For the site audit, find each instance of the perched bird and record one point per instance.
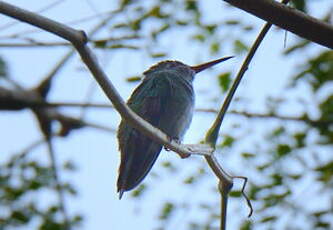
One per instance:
(165, 99)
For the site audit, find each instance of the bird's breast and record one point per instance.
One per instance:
(178, 109)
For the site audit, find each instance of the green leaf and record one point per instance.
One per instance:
(297, 46)
(232, 22)
(189, 180)
(325, 172)
(199, 37)
(227, 141)
(139, 191)
(300, 139)
(167, 210)
(299, 4)
(283, 149)
(246, 225)
(224, 81)
(240, 47)
(248, 155)
(248, 28)
(268, 219)
(100, 43)
(158, 55)
(191, 5)
(235, 193)
(133, 79)
(214, 47)
(210, 28)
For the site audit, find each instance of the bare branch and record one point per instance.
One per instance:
(45, 8)
(41, 44)
(78, 39)
(289, 19)
(226, 182)
(58, 187)
(244, 194)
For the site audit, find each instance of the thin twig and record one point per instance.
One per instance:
(78, 39)
(59, 189)
(212, 134)
(72, 23)
(224, 188)
(45, 8)
(248, 201)
(67, 56)
(32, 43)
(289, 19)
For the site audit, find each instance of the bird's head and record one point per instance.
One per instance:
(182, 69)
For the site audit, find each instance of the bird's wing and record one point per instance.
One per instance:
(138, 152)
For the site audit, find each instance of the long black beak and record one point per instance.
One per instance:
(201, 67)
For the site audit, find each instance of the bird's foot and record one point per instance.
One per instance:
(176, 139)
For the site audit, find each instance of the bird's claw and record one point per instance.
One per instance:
(176, 139)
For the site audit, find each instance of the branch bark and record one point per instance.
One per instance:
(289, 19)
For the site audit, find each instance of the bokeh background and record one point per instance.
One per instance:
(278, 132)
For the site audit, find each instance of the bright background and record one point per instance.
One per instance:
(95, 153)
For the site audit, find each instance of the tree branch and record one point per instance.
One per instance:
(78, 39)
(58, 186)
(226, 181)
(289, 19)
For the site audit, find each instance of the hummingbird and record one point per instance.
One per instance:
(165, 99)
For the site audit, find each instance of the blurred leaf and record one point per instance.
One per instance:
(325, 172)
(248, 28)
(235, 193)
(100, 43)
(246, 225)
(158, 55)
(157, 32)
(122, 46)
(20, 216)
(248, 155)
(227, 141)
(139, 191)
(317, 71)
(295, 176)
(277, 179)
(240, 47)
(224, 81)
(182, 22)
(210, 28)
(214, 47)
(297, 46)
(282, 150)
(300, 139)
(169, 165)
(232, 22)
(268, 219)
(133, 79)
(323, 225)
(167, 210)
(199, 37)
(70, 166)
(299, 4)
(278, 132)
(124, 3)
(191, 5)
(156, 12)
(189, 180)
